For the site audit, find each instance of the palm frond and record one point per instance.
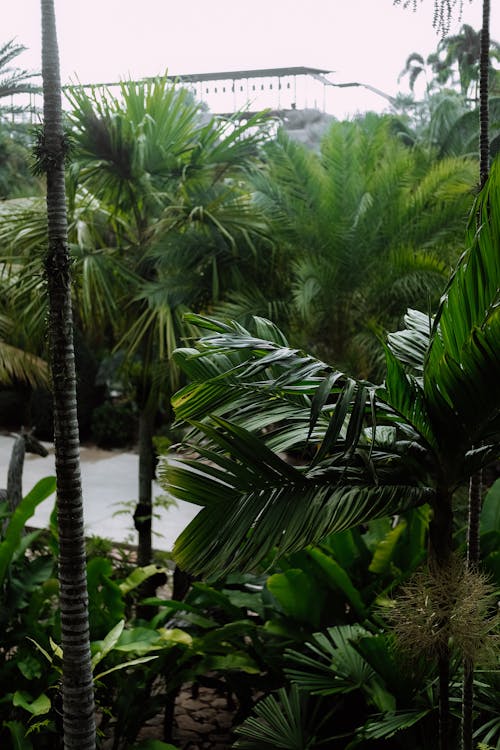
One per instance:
(284, 721)
(462, 369)
(264, 398)
(17, 365)
(330, 664)
(410, 345)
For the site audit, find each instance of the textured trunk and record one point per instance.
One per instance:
(15, 474)
(475, 503)
(77, 685)
(467, 705)
(484, 66)
(445, 740)
(473, 552)
(475, 487)
(440, 549)
(143, 512)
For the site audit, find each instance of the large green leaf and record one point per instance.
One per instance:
(35, 706)
(297, 595)
(18, 735)
(383, 555)
(338, 578)
(410, 345)
(40, 492)
(490, 514)
(391, 723)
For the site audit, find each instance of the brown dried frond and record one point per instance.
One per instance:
(448, 607)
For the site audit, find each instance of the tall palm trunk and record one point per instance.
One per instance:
(77, 686)
(144, 509)
(484, 72)
(475, 487)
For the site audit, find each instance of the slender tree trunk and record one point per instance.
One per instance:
(475, 487)
(484, 71)
(77, 685)
(475, 503)
(473, 553)
(440, 550)
(144, 509)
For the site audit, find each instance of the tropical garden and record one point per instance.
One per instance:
(304, 342)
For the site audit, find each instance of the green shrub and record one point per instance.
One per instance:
(114, 425)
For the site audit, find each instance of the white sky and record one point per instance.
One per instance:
(362, 40)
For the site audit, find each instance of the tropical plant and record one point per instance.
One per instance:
(16, 178)
(28, 591)
(159, 216)
(456, 57)
(168, 179)
(463, 50)
(475, 485)
(13, 80)
(284, 721)
(77, 688)
(368, 451)
(362, 228)
(448, 116)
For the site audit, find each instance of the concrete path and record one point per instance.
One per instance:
(109, 480)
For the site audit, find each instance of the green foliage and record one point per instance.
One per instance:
(18, 735)
(296, 596)
(363, 234)
(283, 721)
(13, 535)
(365, 452)
(114, 425)
(16, 179)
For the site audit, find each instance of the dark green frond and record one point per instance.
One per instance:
(462, 370)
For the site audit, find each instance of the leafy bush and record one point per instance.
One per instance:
(114, 425)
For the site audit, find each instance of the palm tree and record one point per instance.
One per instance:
(463, 50)
(159, 221)
(77, 686)
(451, 128)
(366, 228)
(475, 486)
(170, 180)
(13, 81)
(367, 451)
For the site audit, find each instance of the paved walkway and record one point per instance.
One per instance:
(109, 480)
